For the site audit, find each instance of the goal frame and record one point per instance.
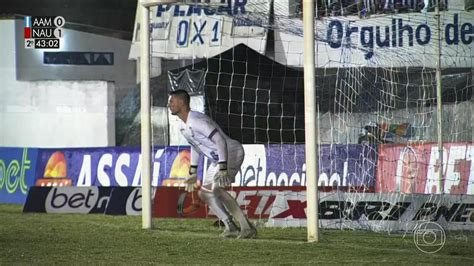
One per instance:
(311, 127)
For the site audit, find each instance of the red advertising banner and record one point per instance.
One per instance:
(255, 201)
(415, 169)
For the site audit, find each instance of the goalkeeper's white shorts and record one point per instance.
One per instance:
(235, 157)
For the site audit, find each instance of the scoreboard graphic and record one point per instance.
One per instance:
(43, 32)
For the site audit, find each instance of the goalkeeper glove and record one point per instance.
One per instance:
(222, 178)
(191, 179)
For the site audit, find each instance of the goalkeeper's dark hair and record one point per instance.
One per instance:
(182, 94)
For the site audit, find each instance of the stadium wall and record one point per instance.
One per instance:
(31, 64)
(50, 113)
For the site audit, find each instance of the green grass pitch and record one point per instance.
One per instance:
(82, 239)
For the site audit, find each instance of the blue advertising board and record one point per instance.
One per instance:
(350, 165)
(114, 166)
(17, 173)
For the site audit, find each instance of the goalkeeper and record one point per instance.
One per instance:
(226, 156)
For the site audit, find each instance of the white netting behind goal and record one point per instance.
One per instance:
(376, 89)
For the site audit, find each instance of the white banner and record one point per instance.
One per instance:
(185, 31)
(376, 212)
(382, 40)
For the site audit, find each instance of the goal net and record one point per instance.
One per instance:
(376, 83)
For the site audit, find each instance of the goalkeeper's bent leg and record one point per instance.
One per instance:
(231, 204)
(218, 209)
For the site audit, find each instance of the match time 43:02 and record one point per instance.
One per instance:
(46, 43)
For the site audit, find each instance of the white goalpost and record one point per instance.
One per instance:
(145, 108)
(310, 114)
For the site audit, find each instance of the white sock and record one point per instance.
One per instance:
(216, 206)
(231, 204)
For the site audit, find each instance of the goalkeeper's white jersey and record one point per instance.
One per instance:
(199, 130)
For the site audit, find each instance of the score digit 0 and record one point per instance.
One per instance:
(59, 22)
